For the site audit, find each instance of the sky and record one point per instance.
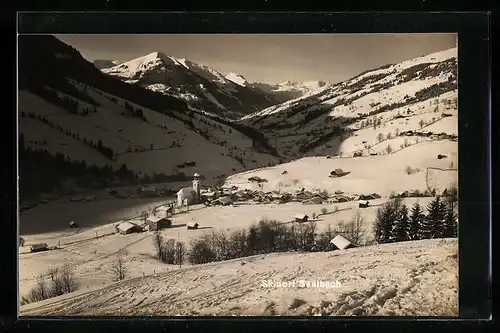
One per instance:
(270, 58)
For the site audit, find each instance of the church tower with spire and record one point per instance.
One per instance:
(196, 187)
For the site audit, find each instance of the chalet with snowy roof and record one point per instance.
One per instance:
(342, 243)
(338, 173)
(190, 195)
(147, 191)
(155, 223)
(301, 218)
(192, 225)
(39, 247)
(128, 228)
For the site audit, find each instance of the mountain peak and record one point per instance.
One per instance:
(237, 78)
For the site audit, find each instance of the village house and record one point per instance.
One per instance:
(301, 218)
(190, 195)
(166, 210)
(316, 200)
(192, 225)
(39, 247)
(128, 228)
(338, 173)
(147, 191)
(342, 243)
(156, 223)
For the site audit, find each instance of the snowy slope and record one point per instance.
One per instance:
(181, 77)
(102, 64)
(372, 174)
(419, 278)
(419, 89)
(290, 89)
(237, 78)
(165, 135)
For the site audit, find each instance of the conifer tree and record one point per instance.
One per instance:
(433, 226)
(415, 223)
(401, 225)
(450, 222)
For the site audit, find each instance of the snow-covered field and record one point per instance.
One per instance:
(381, 174)
(408, 278)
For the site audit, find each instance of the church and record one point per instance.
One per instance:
(190, 195)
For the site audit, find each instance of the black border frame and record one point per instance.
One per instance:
(474, 131)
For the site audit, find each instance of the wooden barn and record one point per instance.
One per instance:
(338, 173)
(301, 218)
(192, 225)
(128, 228)
(39, 247)
(363, 204)
(342, 243)
(156, 223)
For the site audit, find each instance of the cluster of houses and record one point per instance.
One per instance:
(230, 196)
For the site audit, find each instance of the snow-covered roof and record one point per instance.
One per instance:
(340, 242)
(300, 216)
(185, 190)
(38, 246)
(148, 189)
(196, 174)
(154, 218)
(126, 226)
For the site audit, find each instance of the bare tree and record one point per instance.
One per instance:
(40, 291)
(388, 149)
(180, 253)
(380, 137)
(354, 230)
(388, 136)
(119, 267)
(421, 123)
(56, 282)
(68, 278)
(159, 244)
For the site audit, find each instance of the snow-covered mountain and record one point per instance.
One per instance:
(237, 78)
(70, 107)
(418, 94)
(290, 89)
(201, 86)
(102, 63)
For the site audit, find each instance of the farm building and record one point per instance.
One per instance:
(167, 210)
(338, 173)
(342, 243)
(363, 204)
(128, 228)
(39, 247)
(156, 223)
(147, 191)
(301, 218)
(316, 200)
(192, 225)
(224, 201)
(72, 224)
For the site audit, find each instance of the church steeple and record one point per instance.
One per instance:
(196, 186)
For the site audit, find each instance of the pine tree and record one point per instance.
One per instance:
(401, 225)
(415, 223)
(384, 223)
(434, 223)
(450, 222)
